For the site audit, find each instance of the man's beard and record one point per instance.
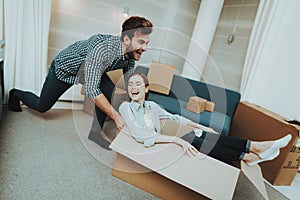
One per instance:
(130, 55)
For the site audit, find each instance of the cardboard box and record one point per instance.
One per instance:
(166, 172)
(160, 77)
(256, 123)
(118, 97)
(119, 94)
(209, 106)
(196, 104)
(117, 78)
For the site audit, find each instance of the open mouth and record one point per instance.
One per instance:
(134, 93)
(139, 51)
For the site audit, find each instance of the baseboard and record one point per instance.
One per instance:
(66, 105)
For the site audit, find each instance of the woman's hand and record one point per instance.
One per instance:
(188, 149)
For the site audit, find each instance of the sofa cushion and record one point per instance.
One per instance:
(220, 122)
(225, 100)
(216, 120)
(169, 104)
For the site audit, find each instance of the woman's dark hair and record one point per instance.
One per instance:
(145, 79)
(135, 23)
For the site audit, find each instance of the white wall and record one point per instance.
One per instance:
(276, 85)
(224, 66)
(78, 19)
(174, 20)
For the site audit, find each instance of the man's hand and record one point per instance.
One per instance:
(188, 149)
(104, 105)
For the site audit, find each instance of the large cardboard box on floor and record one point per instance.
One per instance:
(256, 123)
(166, 172)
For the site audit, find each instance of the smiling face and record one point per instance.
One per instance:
(136, 46)
(137, 89)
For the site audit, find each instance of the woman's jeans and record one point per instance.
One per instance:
(221, 147)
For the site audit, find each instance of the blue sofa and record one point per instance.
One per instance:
(182, 89)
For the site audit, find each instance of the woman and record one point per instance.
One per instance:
(142, 119)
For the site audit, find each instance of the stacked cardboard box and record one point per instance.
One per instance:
(198, 105)
(256, 123)
(209, 106)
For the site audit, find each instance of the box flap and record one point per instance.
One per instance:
(254, 174)
(275, 116)
(207, 176)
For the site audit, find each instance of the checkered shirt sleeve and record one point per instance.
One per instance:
(101, 53)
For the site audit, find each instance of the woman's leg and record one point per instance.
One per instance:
(218, 151)
(52, 89)
(221, 147)
(231, 142)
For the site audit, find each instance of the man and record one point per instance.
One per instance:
(87, 62)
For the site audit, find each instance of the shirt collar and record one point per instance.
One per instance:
(137, 106)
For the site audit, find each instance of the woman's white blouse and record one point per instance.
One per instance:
(146, 131)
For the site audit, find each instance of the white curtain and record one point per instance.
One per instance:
(260, 30)
(26, 34)
(271, 72)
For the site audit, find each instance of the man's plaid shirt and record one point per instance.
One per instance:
(99, 54)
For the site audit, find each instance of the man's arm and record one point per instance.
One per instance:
(104, 105)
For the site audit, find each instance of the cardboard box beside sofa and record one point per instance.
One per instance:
(256, 123)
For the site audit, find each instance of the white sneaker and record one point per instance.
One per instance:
(271, 157)
(280, 143)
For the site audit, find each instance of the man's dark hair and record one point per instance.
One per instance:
(135, 23)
